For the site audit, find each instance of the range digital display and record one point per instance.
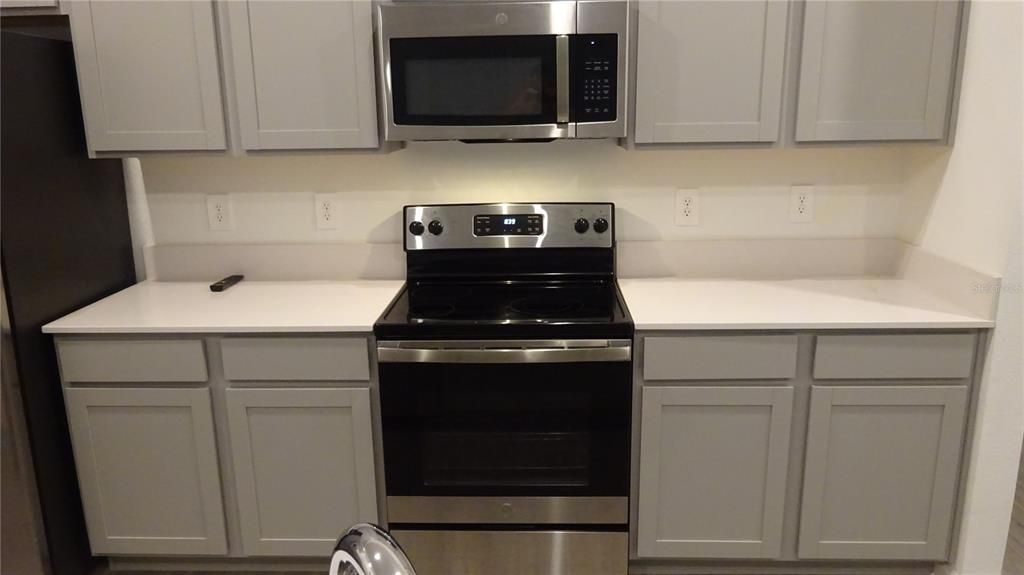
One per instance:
(508, 225)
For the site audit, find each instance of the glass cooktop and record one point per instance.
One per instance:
(428, 309)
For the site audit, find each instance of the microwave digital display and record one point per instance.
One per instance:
(508, 225)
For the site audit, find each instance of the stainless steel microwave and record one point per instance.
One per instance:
(514, 70)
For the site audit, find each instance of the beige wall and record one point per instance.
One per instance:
(965, 204)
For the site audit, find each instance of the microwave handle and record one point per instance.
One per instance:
(562, 71)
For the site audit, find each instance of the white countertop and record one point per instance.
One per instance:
(249, 306)
(655, 304)
(844, 303)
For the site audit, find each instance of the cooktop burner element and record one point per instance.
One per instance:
(467, 281)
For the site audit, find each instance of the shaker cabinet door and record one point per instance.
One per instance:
(877, 70)
(710, 71)
(881, 471)
(304, 74)
(713, 464)
(147, 466)
(148, 75)
(303, 461)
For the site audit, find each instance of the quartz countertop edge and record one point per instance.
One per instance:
(154, 307)
(822, 304)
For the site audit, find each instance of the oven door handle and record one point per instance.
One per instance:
(558, 352)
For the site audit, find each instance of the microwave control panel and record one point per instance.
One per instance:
(595, 69)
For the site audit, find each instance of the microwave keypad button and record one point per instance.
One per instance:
(596, 84)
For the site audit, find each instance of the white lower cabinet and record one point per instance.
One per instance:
(147, 467)
(881, 471)
(303, 463)
(713, 464)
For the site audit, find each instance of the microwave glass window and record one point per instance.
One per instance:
(475, 80)
(474, 87)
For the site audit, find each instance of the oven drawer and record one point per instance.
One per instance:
(507, 510)
(515, 552)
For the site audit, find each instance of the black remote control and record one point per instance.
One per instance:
(226, 283)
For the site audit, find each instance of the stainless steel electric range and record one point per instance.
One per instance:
(505, 370)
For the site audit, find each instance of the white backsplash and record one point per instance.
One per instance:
(745, 193)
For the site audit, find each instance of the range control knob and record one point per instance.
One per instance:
(435, 227)
(582, 225)
(416, 228)
(600, 225)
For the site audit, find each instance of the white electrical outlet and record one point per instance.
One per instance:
(328, 216)
(218, 212)
(801, 204)
(687, 207)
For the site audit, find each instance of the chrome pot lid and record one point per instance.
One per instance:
(366, 549)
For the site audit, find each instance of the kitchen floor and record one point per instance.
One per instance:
(105, 571)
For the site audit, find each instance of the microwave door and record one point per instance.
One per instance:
(479, 88)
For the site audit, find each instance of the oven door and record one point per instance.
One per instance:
(506, 432)
(476, 71)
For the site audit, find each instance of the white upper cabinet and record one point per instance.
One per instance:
(876, 70)
(303, 73)
(148, 75)
(710, 71)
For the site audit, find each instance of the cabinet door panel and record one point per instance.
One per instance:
(304, 74)
(147, 465)
(713, 464)
(148, 75)
(710, 71)
(876, 70)
(303, 462)
(881, 470)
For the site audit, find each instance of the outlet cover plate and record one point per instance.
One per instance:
(687, 209)
(801, 204)
(328, 213)
(219, 213)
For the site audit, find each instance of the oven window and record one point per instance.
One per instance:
(506, 429)
(496, 80)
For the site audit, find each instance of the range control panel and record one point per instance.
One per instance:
(595, 70)
(484, 226)
(508, 225)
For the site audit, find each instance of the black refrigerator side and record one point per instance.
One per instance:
(65, 242)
